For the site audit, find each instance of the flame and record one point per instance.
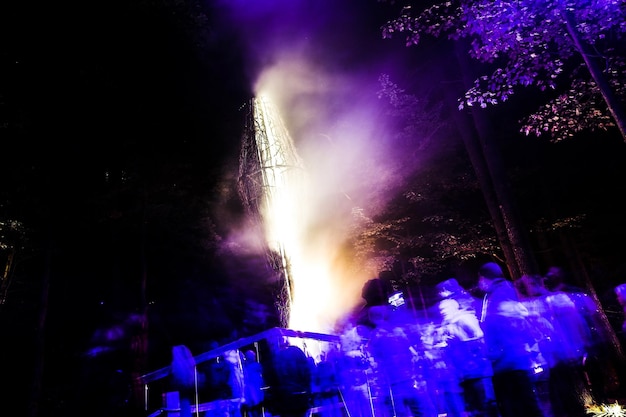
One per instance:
(310, 248)
(607, 410)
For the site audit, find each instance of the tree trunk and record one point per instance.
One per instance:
(613, 102)
(468, 134)
(495, 186)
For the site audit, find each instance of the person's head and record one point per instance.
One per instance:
(620, 292)
(448, 288)
(374, 292)
(283, 342)
(555, 277)
(448, 308)
(488, 273)
(250, 356)
(232, 356)
(531, 286)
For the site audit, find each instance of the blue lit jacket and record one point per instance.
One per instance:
(508, 333)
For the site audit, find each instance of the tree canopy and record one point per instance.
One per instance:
(571, 50)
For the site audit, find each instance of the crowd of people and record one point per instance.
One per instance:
(535, 347)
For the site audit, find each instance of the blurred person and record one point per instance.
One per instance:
(450, 288)
(375, 293)
(232, 408)
(466, 346)
(507, 335)
(442, 379)
(569, 390)
(291, 388)
(532, 294)
(391, 350)
(223, 384)
(557, 279)
(355, 370)
(253, 385)
(212, 377)
(601, 348)
(108, 366)
(326, 381)
(563, 336)
(428, 363)
(620, 293)
(183, 377)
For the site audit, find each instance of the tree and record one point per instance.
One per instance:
(436, 221)
(422, 119)
(429, 229)
(575, 48)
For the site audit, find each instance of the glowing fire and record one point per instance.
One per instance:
(307, 251)
(607, 410)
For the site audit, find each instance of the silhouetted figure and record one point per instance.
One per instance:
(326, 385)
(291, 389)
(235, 383)
(507, 335)
(391, 349)
(563, 344)
(451, 288)
(355, 370)
(442, 379)
(599, 352)
(620, 293)
(374, 293)
(223, 384)
(533, 293)
(466, 348)
(253, 385)
(183, 377)
(108, 364)
(557, 279)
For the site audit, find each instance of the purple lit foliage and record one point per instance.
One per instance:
(536, 43)
(420, 234)
(421, 118)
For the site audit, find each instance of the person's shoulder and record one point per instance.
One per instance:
(572, 289)
(504, 289)
(292, 351)
(503, 283)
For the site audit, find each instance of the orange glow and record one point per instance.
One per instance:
(309, 248)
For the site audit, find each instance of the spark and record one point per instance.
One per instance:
(607, 410)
